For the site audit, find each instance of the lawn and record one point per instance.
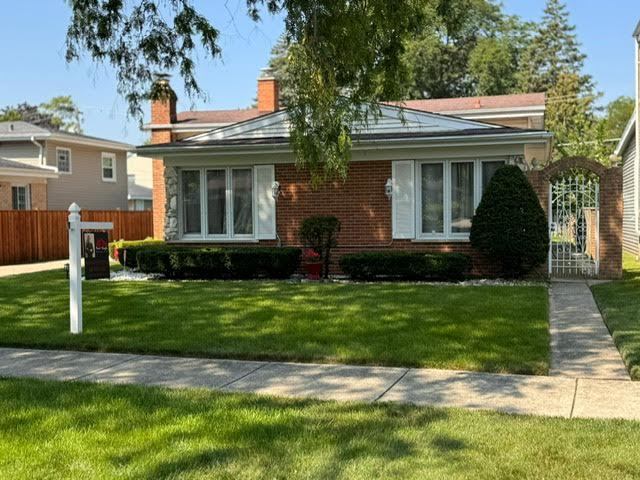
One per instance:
(76, 430)
(619, 303)
(487, 328)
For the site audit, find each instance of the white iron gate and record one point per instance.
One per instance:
(574, 226)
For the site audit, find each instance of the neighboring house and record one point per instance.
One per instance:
(140, 189)
(65, 168)
(414, 180)
(628, 149)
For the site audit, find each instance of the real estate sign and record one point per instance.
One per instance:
(95, 248)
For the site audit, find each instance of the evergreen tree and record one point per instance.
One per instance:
(554, 50)
(279, 67)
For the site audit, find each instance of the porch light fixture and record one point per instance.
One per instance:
(275, 190)
(388, 188)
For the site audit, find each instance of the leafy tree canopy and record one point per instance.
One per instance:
(59, 113)
(463, 47)
(617, 115)
(347, 55)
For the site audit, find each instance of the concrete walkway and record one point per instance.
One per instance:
(8, 270)
(581, 346)
(547, 396)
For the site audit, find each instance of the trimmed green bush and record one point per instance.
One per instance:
(405, 265)
(132, 246)
(510, 227)
(321, 234)
(233, 263)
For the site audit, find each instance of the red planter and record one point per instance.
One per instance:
(313, 270)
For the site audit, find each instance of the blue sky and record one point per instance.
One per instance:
(34, 69)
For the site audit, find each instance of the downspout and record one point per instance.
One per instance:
(41, 149)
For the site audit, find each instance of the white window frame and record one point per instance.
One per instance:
(27, 196)
(447, 234)
(111, 156)
(230, 236)
(68, 150)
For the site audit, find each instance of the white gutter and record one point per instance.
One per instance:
(40, 148)
(415, 142)
(24, 172)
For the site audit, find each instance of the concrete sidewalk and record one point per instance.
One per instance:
(8, 270)
(546, 396)
(581, 346)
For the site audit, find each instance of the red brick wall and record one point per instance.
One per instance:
(267, 95)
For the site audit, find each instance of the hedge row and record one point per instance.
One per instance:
(117, 249)
(204, 263)
(405, 265)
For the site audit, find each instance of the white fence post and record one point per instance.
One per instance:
(75, 270)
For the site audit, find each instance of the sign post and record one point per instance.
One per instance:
(75, 270)
(75, 263)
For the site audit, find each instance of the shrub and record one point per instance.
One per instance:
(405, 265)
(188, 262)
(321, 234)
(116, 249)
(510, 227)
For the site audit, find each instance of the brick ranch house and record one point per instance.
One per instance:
(215, 173)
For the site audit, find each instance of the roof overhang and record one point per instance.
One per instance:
(636, 32)
(627, 135)
(69, 138)
(282, 145)
(29, 172)
(497, 113)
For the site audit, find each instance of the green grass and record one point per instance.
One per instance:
(485, 328)
(76, 430)
(619, 303)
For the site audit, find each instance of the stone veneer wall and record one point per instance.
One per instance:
(171, 205)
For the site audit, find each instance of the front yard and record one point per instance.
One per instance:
(619, 303)
(75, 430)
(486, 328)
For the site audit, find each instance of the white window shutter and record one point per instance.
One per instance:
(265, 203)
(403, 199)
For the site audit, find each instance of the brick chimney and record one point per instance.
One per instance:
(267, 92)
(163, 114)
(163, 101)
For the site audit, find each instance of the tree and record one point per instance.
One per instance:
(321, 234)
(344, 56)
(59, 113)
(553, 51)
(278, 62)
(64, 113)
(617, 115)
(509, 226)
(571, 117)
(464, 47)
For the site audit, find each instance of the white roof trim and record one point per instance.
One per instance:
(68, 138)
(627, 135)
(407, 120)
(529, 137)
(27, 172)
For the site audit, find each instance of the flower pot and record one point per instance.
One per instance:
(313, 270)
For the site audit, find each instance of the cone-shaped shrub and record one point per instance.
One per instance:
(510, 227)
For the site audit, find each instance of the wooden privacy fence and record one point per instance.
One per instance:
(33, 236)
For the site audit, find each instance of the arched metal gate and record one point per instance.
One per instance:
(574, 225)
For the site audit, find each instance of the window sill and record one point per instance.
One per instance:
(215, 240)
(107, 180)
(440, 240)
